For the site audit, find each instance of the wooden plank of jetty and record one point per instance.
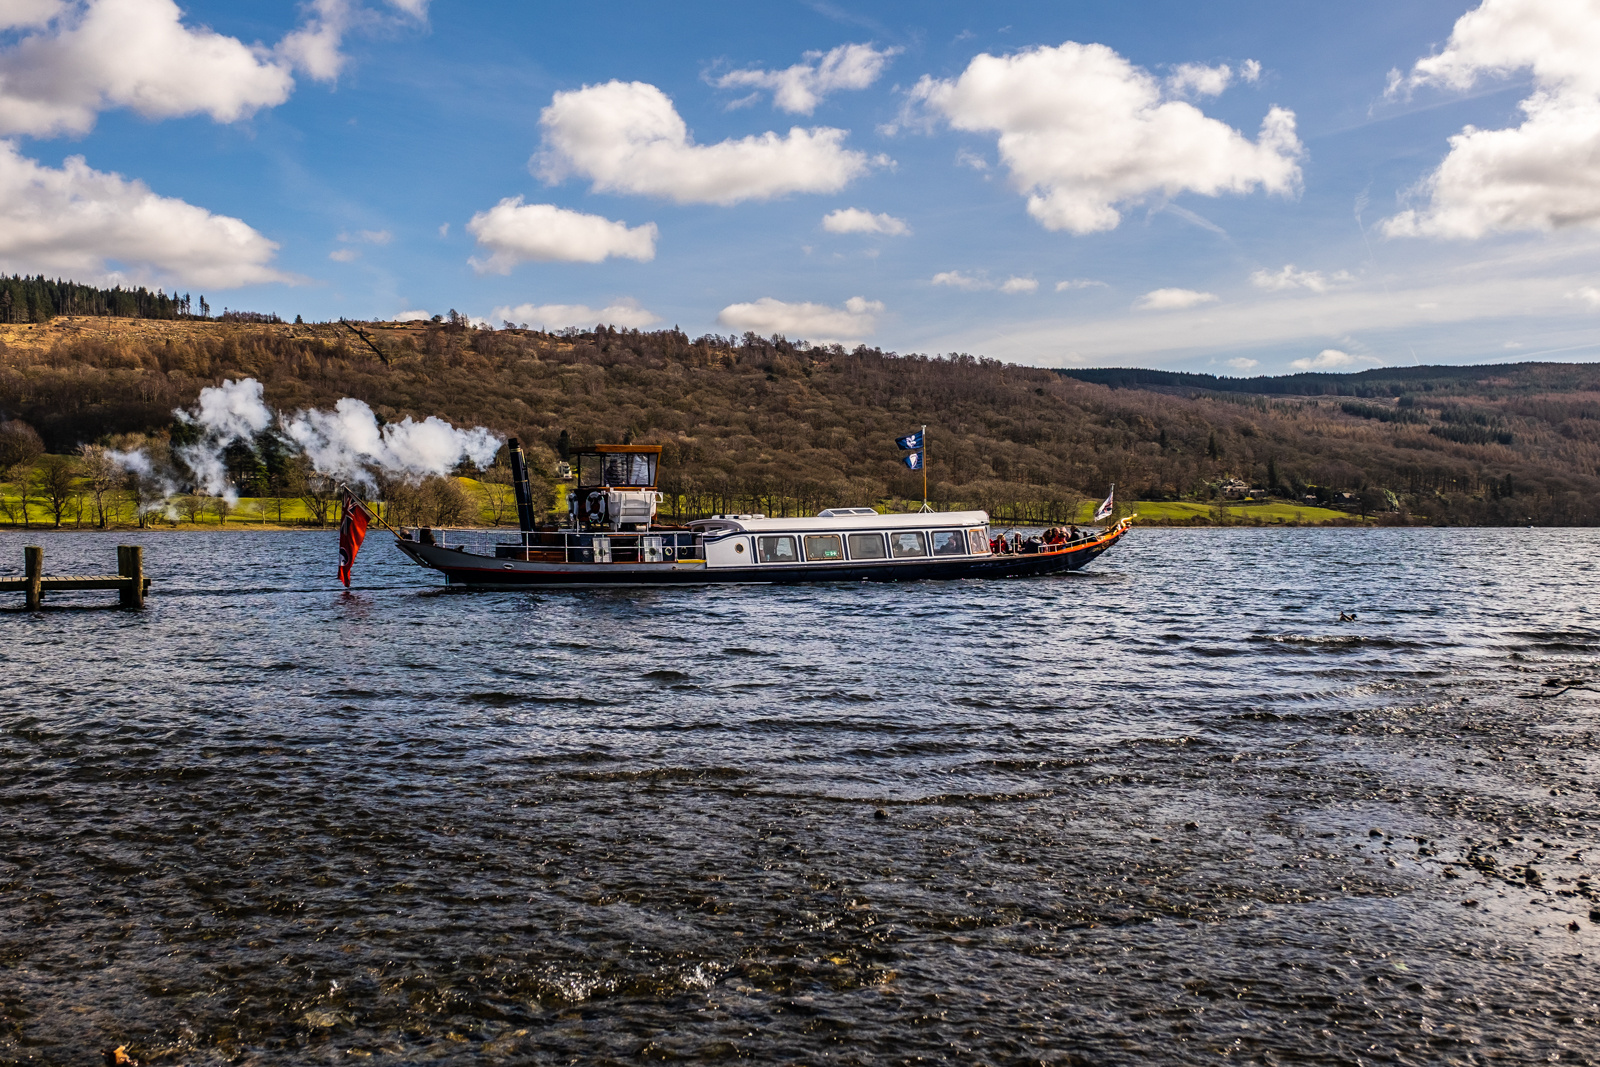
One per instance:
(129, 581)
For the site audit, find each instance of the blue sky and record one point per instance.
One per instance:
(1239, 188)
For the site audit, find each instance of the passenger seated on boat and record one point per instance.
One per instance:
(998, 546)
(1077, 534)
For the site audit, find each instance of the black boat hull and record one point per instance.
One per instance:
(470, 571)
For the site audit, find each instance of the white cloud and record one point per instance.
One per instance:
(92, 55)
(370, 237)
(977, 283)
(1291, 277)
(314, 47)
(1197, 79)
(345, 255)
(93, 225)
(1172, 300)
(1079, 283)
(1331, 359)
(855, 220)
(135, 54)
(1477, 303)
(1250, 71)
(1588, 294)
(800, 88)
(955, 279)
(1242, 364)
(628, 138)
(817, 322)
(625, 313)
(515, 232)
(412, 316)
(26, 14)
(1082, 131)
(1541, 175)
(972, 159)
(1557, 39)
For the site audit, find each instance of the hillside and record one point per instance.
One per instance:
(767, 425)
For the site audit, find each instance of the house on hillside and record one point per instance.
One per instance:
(1234, 489)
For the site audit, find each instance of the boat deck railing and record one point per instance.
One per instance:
(565, 546)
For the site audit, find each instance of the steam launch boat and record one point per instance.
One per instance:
(612, 536)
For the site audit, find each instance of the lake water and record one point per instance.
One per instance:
(1168, 810)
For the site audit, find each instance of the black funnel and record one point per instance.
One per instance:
(519, 482)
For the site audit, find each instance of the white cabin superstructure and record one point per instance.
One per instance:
(841, 537)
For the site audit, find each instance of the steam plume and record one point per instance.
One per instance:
(345, 443)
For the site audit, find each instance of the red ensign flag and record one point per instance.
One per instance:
(352, 531)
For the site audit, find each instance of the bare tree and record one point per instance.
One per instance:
(53, 483)
(402, 503)
(446, 501)
(318, 494)
(12, 507)
(19, 444)
(192, 506)
(102, 475)
(498, 494)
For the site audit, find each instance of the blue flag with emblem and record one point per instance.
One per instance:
(914, 461)
(910, 442)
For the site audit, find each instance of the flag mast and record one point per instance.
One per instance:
(925, 506)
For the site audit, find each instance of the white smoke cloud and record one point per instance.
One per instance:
(345, 443)
(348, 443)
(226, 414)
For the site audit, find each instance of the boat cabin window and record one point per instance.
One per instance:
(622, 469)
(776, 550)
(824, 547)
(949, 543)
(978, 541)
(867, 546)
(908, 543)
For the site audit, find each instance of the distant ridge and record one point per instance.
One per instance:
(1378, 382)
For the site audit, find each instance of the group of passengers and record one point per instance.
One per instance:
(1052, 539)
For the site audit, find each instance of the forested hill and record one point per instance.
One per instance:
(1393, 382)
(757, 423)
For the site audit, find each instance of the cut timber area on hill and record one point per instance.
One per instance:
(762, 424)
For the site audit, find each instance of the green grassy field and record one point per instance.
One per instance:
(1275, 514)
(253, 512)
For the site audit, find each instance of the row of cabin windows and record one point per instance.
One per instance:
(901, 544)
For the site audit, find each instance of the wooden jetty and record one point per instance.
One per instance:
(129, 581)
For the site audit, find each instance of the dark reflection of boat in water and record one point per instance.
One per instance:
(612, 537)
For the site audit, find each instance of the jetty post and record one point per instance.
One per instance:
(33, 575)
(130, 565)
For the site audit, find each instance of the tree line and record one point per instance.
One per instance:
(39, 299)
(778, 426)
